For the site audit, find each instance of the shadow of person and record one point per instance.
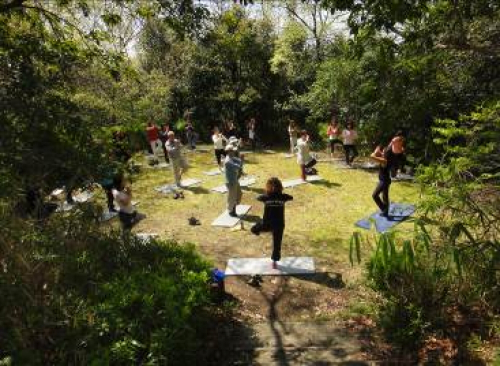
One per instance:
(326, 183)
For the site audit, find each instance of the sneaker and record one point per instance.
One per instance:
(176, 196)
(181, 195)
(233, 213)
(254, 230)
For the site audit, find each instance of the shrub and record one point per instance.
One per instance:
(73, 294)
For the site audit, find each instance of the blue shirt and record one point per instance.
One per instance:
(232, 166)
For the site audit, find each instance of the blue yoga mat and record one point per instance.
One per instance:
(398, 212)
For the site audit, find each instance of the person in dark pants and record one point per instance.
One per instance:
(274, 216)
(350, 135)
(386, 159)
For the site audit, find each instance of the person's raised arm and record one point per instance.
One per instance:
(378, 156)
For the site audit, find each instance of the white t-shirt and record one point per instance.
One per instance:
(218, 141)
(303, 156)
(123, 201)
(251, 134)
(350, 136)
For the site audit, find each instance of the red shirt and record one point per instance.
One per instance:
(152, 133)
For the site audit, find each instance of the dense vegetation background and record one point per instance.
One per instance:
(72, 72)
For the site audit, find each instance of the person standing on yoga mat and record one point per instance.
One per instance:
(218, 140)
(385, 157)
(292, 133)
(274, 215)
(152, 133)
(350, 135)
(233, 167)
(179, 165)
(334, 132)
(304, 158)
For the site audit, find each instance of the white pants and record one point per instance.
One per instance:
(155, 145)
(233, 196)
(179, 166)
(293, 143)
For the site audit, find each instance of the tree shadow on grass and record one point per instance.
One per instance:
(197, 190)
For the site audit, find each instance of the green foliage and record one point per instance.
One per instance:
(415, 279)
(74, 294)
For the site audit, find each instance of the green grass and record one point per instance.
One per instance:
(319, 221)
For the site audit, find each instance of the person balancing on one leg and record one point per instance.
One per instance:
(274, 215)
(233, 167)
(386, 159)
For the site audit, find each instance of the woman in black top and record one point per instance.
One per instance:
(386, 158)
(274, 215)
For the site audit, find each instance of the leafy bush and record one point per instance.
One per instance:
(415, 280)
(72, 294)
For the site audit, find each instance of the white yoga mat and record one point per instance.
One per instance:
(403, 177)
(262, 266)
(270, 151)
(213, 172)
(169, 188)
(106, 216)
(224, 220)
(295, 182)
(246, 152)
(146, 237)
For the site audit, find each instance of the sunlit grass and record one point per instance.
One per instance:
(319, 222)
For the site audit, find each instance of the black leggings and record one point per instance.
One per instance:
(277, 238)
(332, 144)
(382, 188)
(219, 153)
(350, 150)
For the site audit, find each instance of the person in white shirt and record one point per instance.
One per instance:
(127, 212)
(219, 139)
(179, 165)
(303, 153)
(350, 135)
(292, 132)
(252, 136)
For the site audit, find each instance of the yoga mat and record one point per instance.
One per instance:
(287, 156)
(295, 182)
(398, 212)
(169, 188)
(224, 220)
(262, 266)
(146, 237)
(213, 172)
(106, 216)
(83, 196)
(403, 177)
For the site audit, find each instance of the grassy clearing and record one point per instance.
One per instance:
(319, 223)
